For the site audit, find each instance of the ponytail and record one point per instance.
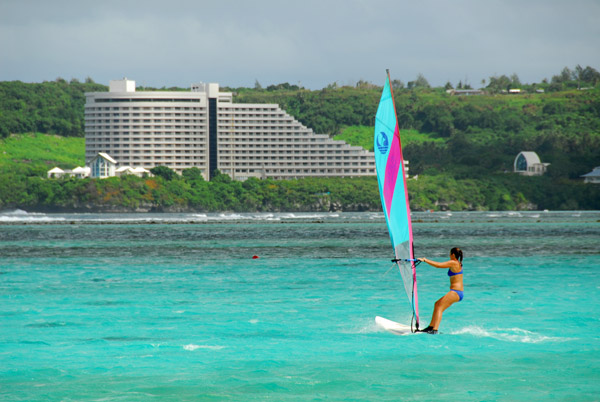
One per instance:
(457, 253)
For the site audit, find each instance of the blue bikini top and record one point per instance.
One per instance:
(451, 273)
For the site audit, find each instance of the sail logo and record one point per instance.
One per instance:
(383, 143)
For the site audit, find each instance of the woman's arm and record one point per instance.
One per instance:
(446, 264)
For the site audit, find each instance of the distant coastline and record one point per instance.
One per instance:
(461, 148)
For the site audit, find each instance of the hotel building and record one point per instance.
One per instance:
(203, 128)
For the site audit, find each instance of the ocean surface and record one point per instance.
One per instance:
(173, 307)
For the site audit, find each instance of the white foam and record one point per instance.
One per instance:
(365, 328)
(16, 212)
(22, 216)
(230, 216)
(508, 334)
(308, 215)
(192, 347)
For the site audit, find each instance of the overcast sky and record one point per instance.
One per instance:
(308, 42)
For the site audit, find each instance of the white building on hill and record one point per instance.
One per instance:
(79, 172)
(593, 176)
(203, 128)
(55, 173)
(102, 166)
(136, 171)
(529, 164)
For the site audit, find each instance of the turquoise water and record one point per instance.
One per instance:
(173, 307)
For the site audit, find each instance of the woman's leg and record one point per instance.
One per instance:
(439, 307)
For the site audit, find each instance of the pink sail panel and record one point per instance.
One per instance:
(392, 167)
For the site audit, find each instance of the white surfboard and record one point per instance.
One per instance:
(393, 326)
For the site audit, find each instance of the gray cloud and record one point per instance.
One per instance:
(312, 42)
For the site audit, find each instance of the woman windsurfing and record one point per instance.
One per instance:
(455, 272)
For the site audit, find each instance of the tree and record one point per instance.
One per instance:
(283, 86)
(498, 84)
(436, 119)
(514, 81)
(565, 75)
(192, 173)
(219, 177)
(420, 82)
(164, 172)
(397, 84)
(587, 75)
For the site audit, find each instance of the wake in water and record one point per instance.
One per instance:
(518, 335)
(365, 327)
(508, 334)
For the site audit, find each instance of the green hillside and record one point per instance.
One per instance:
(464, 136)
(460, 147)
(363, 136)
(35, 154)
(50, 107)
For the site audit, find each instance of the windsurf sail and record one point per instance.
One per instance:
(391, 177)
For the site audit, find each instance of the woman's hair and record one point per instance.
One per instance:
(457, 253)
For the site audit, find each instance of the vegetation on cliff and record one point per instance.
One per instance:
(459, 146)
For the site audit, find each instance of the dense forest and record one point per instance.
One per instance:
(171, 192)
(50, 107)
(459, 146)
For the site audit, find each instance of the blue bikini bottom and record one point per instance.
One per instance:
(459, 293)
